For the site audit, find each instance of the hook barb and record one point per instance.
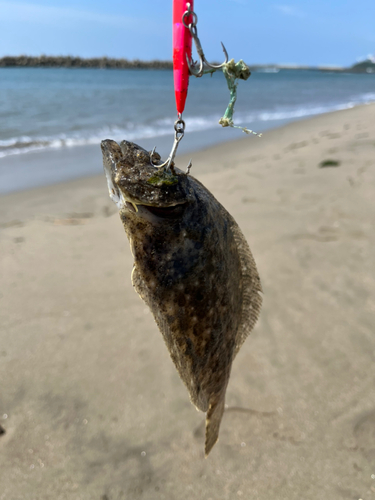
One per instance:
(179, 128)
(222, 64)
(204, 65)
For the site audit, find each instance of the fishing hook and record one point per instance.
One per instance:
(203, 63)
(179, 127)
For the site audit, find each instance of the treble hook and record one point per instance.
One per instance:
(203, 63)
(179, 127)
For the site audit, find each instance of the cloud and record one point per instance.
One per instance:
(44, 14)
(289, 10)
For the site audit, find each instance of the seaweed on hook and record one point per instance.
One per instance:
(234, 72)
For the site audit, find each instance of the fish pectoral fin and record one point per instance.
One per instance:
(137, 283)
(213, 421)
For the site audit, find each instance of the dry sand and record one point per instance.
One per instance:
(90, 401)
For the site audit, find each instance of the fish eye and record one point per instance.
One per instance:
(173, 212)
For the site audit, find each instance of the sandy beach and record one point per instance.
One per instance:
(91, 405)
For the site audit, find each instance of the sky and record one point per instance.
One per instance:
(311, 32)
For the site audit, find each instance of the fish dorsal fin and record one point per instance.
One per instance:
(252, 288)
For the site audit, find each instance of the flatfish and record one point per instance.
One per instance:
(192, 267)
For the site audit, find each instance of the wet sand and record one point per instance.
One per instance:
(91, 404)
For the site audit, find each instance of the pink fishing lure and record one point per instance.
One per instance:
(182, 41)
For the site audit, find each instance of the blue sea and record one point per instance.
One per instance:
(58, 108)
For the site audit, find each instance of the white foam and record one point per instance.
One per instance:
(161, 127)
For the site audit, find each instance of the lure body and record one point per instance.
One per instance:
(182, 41)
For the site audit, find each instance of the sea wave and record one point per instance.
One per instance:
(25, 144)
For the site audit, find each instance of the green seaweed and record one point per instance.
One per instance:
(234, 72)
(163, 177)
(329, 163)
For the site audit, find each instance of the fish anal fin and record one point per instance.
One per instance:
(213, 421)
(252, 289)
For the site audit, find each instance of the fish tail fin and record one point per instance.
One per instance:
(213, 421)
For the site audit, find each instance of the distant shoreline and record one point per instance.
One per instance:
(43, 61)
(80, 62)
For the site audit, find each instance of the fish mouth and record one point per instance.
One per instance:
(153, 212)
(113, 190)
(167, 212)
(135, 207)
(115, 193)
(123, 201)
(131, 206)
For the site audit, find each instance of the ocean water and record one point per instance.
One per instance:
(57, 108)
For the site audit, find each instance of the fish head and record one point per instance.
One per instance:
(138, 188)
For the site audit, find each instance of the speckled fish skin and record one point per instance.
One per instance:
(192, 267)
